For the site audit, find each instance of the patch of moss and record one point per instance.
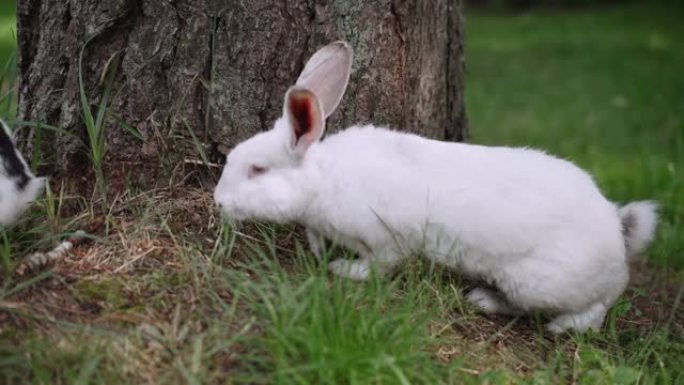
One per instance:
(109, 290)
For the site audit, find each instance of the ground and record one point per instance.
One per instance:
(164, 292)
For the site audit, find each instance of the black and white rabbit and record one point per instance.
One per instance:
(534, 226)
(18, 186)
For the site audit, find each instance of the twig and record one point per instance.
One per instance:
(40, 260)
(201, 163)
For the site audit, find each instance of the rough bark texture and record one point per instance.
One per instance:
(220, 69)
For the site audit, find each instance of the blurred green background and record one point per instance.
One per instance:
(8, 26)
(597, 82)
(600, 85)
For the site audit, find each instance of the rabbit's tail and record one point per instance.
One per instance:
(639, 220)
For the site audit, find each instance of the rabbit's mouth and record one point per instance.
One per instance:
(231, 220)
(231, 213)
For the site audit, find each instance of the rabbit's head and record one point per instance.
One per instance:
(16, 198)
(264, 176)
(18, 186)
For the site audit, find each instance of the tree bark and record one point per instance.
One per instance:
(218, 70)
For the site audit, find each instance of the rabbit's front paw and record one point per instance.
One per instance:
(490, 302)
(316, 243)
(357, 270)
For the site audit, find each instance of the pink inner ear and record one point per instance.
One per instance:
(302, 110)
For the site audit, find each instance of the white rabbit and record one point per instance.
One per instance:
(533, 226)
(18, 186)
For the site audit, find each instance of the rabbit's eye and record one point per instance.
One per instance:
(255, 170)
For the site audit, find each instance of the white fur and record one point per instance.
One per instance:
(14, 202)
(534, 226)
(639, 221)
(13, 199)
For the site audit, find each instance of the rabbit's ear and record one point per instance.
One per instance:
(304, 112)
(327, 74)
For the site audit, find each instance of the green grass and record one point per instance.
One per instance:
(167, 294)
(96, 122)
(266, 313)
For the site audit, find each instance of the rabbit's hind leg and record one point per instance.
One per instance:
(589, 318)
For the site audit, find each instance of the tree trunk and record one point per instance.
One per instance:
(198, 76)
